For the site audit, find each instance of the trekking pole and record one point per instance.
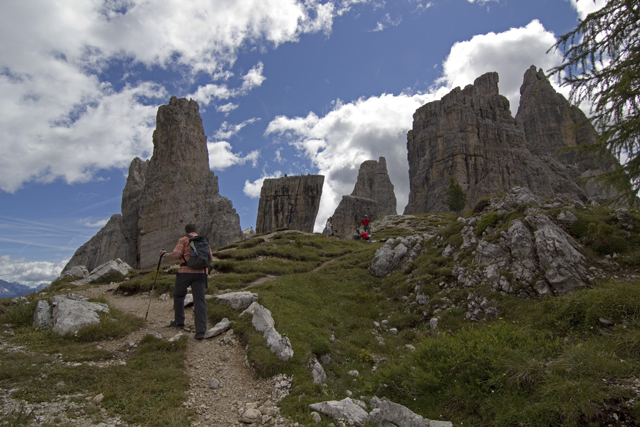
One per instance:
(154, 285)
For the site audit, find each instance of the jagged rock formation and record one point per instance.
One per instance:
(372, 195)
(470, 134)
(175, 187)
(550, 123)
(289, 202)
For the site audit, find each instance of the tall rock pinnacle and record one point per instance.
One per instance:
(163, 194)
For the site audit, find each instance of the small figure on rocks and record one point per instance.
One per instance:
(330, 227)
(365, 224)
(196, 278)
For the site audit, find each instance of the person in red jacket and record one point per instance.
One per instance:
(365, 224)
(365, 236)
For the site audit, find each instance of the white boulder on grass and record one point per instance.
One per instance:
(71, 312)
(346, 409)
(387, 413)
(263, 322)
(237, 300)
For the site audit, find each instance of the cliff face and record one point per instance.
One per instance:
(550, 123)
(289, 202)
(373, 195)
(471, 135)
(175, 187)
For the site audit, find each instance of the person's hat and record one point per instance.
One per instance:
(366, 216)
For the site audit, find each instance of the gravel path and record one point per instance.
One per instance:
(224, 390)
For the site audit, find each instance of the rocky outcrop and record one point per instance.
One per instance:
(109, 243)
(531, 256)
(373, 195)
(397, 253)
(289, 203)
(173, 188)
(470, 134)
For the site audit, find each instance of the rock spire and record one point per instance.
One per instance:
(173, 188)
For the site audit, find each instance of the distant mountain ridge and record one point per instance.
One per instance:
(13, 289)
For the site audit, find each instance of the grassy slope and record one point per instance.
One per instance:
(549, 361)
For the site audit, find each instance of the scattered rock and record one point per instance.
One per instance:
(263, 322)
(237, 300)
(220, 327)
(347, 410)
(387, 413)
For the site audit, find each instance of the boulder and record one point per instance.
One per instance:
(248, 233)
(111, 271)
(344, 410)
(173, 188)
(387, 413)
(289, 203)
(42, 315)
(236, 300)
(263, 322)
(222, 326)
(317, 371)
(75, 272)
(563, 265)
(71, 312)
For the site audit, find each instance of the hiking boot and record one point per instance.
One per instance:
(173, 324)
(199, 335)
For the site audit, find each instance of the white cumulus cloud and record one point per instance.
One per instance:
(252, 189)
(62, 121)
(585, 7)
(221, 156)
(29, 273)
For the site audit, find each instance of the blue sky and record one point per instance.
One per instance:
(284, 86)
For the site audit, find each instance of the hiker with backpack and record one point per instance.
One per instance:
(196, 256)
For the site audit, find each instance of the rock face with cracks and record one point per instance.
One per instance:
(163, 194)
(289, 203)
(471, 135)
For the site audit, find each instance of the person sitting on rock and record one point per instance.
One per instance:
(357, 236)
(365, 236)
(365, 224)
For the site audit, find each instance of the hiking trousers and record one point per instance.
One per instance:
(198, 283)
